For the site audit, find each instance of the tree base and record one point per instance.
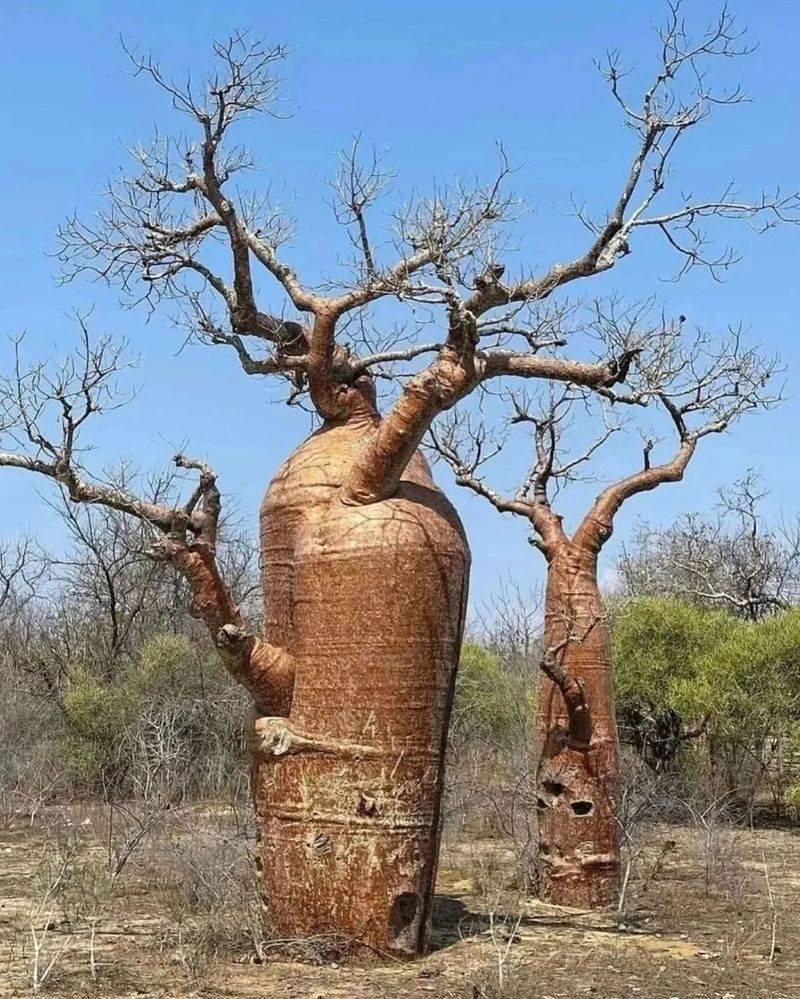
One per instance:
(578, 863)
(579, 882)
(348, 857)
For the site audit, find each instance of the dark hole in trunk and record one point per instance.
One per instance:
(553, 787)
(583, 807)
(404, 909)
(366, 805)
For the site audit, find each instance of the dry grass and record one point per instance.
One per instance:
(184, 919)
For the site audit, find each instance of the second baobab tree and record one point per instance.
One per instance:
(364, 560)
(697, 385)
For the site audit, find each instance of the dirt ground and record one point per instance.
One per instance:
(712, 913)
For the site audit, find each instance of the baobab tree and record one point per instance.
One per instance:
(701, 385)
(364, 560)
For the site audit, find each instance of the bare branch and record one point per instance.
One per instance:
(463, 445)
(20, 571)
(357, 185)
(734, 559)
(43, 414)
(158, 237)
(705, 388)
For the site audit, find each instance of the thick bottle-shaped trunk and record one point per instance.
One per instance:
(578, 769)
(369, 600)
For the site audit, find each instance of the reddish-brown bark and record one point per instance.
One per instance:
(578, 766)
(369, 602)
(266, 671)
(578, 751)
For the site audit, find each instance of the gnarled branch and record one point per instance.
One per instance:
(186, 533)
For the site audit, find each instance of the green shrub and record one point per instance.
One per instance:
(171, 722)
(679, 667)
(657, 645)
(96, 713)
(492, 700)
(96, 709)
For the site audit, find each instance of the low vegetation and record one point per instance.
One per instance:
(130, 852)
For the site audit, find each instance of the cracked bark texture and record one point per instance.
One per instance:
(578, 766)
(369, 602)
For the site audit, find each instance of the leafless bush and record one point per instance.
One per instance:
(492, 868)
(716, 846)
(215, 901)
(645, 799)
(45, 953)
(491, 765)
(127, 826)
(499, 979)
(30, 774)
(72, 891)
(737, 559)
(651, 806)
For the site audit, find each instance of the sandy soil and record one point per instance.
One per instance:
(700, 922)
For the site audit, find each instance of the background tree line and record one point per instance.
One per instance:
(113, 687)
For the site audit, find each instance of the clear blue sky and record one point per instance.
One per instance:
(436, 83)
